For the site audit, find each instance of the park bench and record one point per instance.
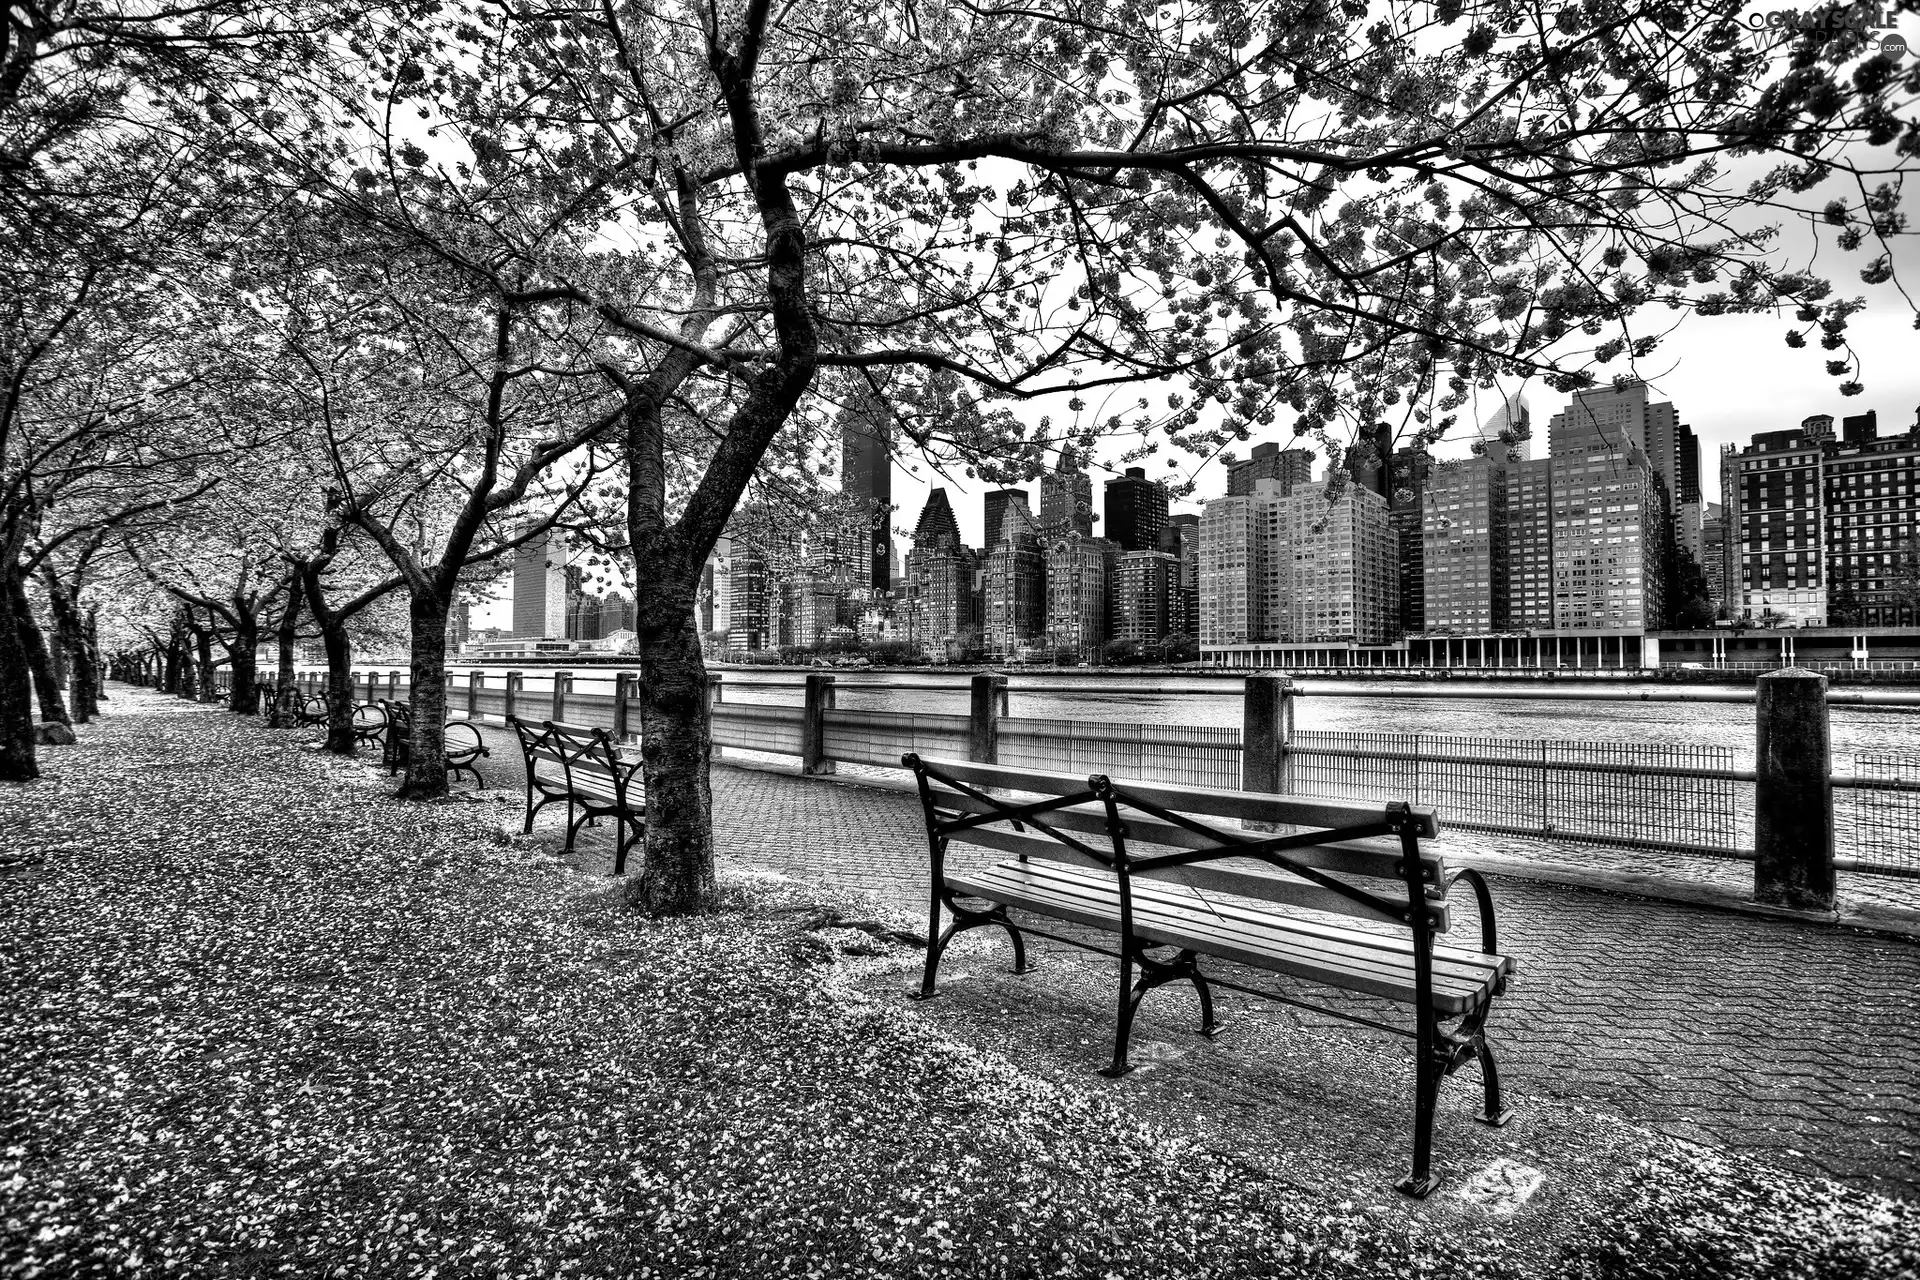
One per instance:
(463, 743)
(1153, 865)
(583, 767)
(310, 711)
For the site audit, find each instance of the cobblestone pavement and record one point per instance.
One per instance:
(1799, 1043)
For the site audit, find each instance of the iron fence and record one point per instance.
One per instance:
(1681, 799)
(1196, 755)
(1876, 812)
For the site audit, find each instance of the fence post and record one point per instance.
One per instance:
(393, 687)
(509, 697)
(561, 679)
(622, 690)
(1793, 792)
(1266, 729)
(989, 704)
(813, 725)
(473, 696)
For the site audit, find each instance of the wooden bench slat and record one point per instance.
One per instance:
(1376, 964)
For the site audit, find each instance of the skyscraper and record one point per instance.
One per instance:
(1618, 416)
(1136, 510)
(937, 525)
(1529, 510)
(1464, 552)
(997, 502)
(1405, 500)
(1066, 501)
(1290, 467)
(1014, 595)
(1369, 459)
(540, 588)
(866, 474)
(1079, 582)
(1145, 595)
(1780, 486)
(1181, 540)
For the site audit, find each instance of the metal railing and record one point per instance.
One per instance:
(1876, 813)
(1197, 755)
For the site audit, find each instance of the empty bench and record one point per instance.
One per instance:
(582, 767)
(1155, 866)
(463, 745)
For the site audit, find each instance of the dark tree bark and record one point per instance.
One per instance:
(678, 878)
(17, 761)
(71, 638)
(53, 708)
(281, 714)
(174, 671)
(340, 739)
(427, 695)
(203, 664)
(243, 699)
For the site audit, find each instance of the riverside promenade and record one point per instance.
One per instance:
(1793, 1042)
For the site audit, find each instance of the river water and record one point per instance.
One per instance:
(1557, 715)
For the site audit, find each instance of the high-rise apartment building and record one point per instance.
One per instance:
(1014, 595)
(1871, 501)
(866, 475)
(1338, 571)
(1136, 511)
(998, 502)
(1530, 521)
(1370, 459)
(1079, 582)
(1181, 540)
(540, 588)
(1713, 561)
(1066, 501)
(1609, 517)
(1464, 553)
(1290, 467)
(1779, 485)
(1233, 567)
(1405, 502)
(1145, 591)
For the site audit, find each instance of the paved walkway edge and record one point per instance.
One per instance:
(1891, 921)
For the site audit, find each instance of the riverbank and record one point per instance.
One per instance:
(274, 1021)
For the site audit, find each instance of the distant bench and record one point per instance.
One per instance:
(463, 745)
(582, 767)
(1135, 860)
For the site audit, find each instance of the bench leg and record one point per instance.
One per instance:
(1496, 1112)
(1430, 1068)
(1184, 967)
(627, 842)
(964, 920)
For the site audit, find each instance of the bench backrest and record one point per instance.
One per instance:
(579, 751)
(1302, 851)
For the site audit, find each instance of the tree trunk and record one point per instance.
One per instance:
(70, 639)
(203, 665)
(678, 878)
(53, 709)
(17, 763)
(174, 671)
(340, 739)
(243, 698)
(427, 749)
(281, 715)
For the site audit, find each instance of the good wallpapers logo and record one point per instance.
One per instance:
(1768, 25)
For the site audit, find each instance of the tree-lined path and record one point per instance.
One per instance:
(261, 1016)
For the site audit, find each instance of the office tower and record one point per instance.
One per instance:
(866, 475)
(1464, 532)
(1406, 497)
(459, 627)
(1369, 458)
(1689, 512)
(1336, 567)
(1136, 510)
(1713, 541)
(1529, 513)
(1145, 595)
(1290, 467)
(1079, 580)
(1861, 428)
(1233, 566)
(1607, 560)
(1514, 417)
(1871, 504)
(937, 525)
(1181, 540)
(748, 604)
(761, 599)
(1066, 501)
(1014, 594)
(997, 502)
(1616, 416)
(540, 588)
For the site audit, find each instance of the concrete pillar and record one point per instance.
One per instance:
(512, 695)
(813, 725)
(1266, 727)
(561, 681)
(1793, 792)
(622, 691)
(989, 704)
(473, 696)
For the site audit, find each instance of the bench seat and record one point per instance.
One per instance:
(1216, 924)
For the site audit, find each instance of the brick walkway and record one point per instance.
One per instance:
(1790, 1041)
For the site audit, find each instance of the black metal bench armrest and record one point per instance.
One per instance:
(1483, 900)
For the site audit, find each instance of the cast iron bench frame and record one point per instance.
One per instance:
(397, 746)
(593, 779)
(1057, 873)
